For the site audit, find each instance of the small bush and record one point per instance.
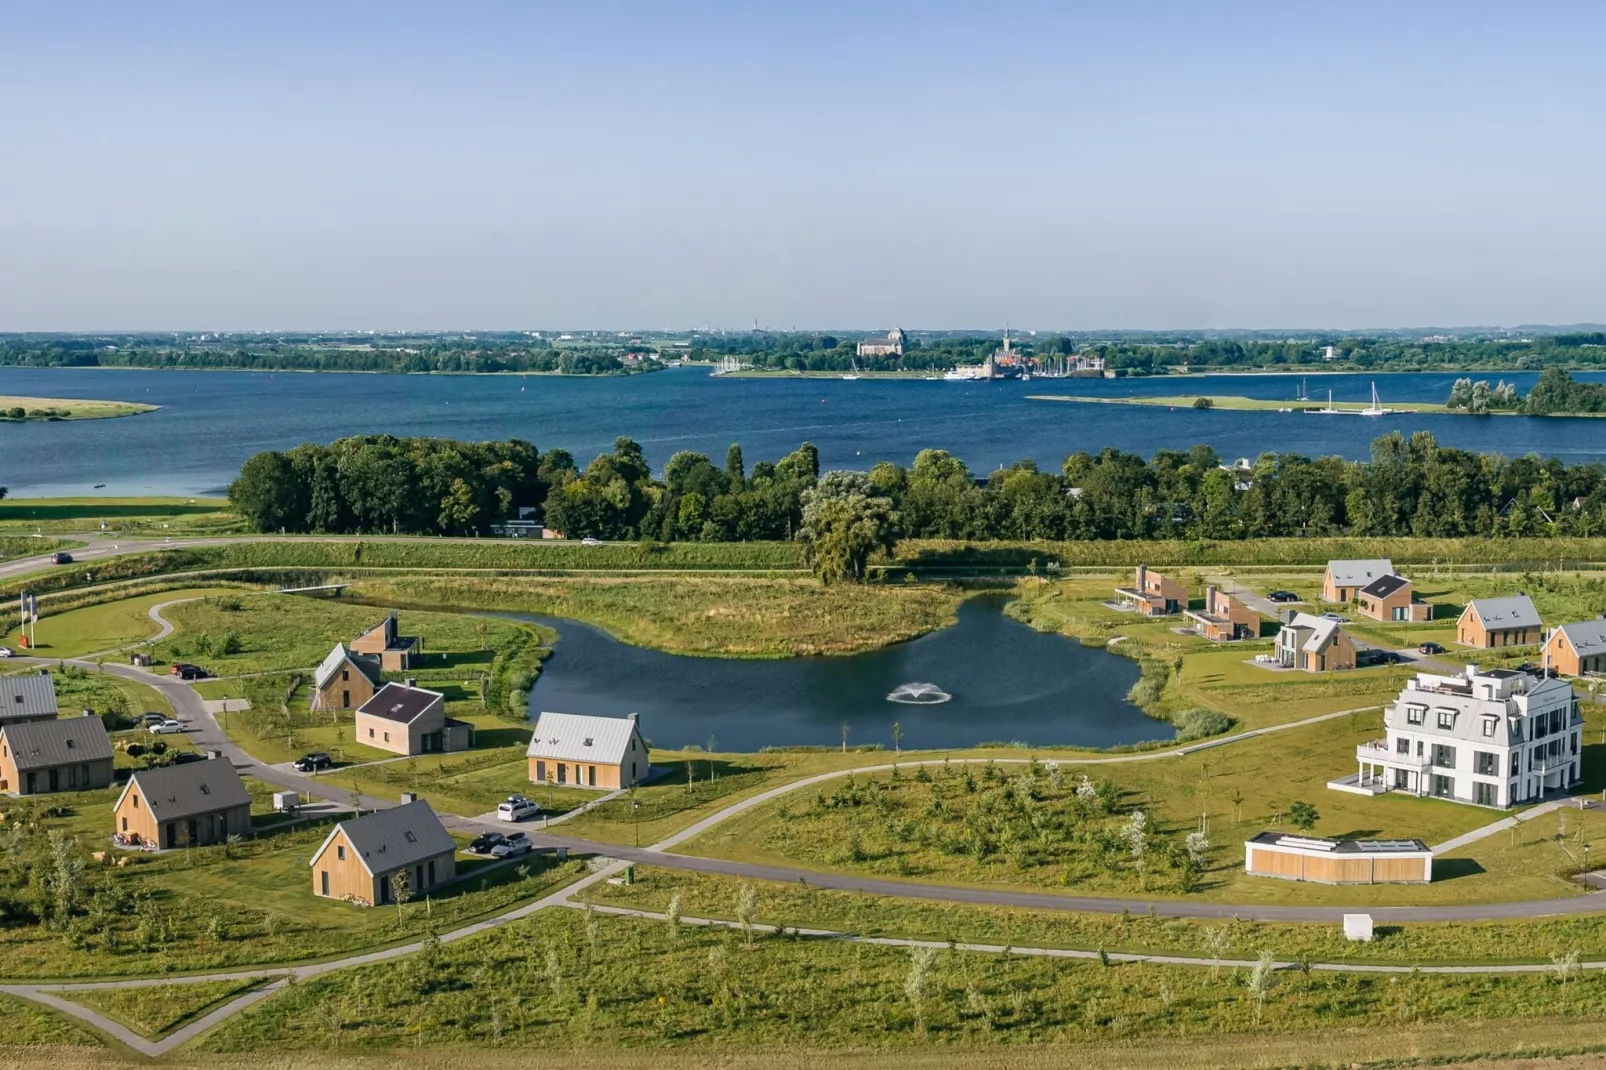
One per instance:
(1199, 723)
(1203, 403)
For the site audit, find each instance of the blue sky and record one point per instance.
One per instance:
(829, 165)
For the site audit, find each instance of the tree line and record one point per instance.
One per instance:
(1408, 486)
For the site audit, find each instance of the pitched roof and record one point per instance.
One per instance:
(178, 791)
(400, 703)
(1512, 611)
(41, 744)
(578, 737)
(26, 697)
(363, 663)
(1384, 586)
(1359, 573)
(1322, 630)
(1586, 637)
(389, 839)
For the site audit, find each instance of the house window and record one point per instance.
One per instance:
(205, 790)
(1489, 724)
(324, 875)
(1485, 794)
(340, 852)
(1555, 720)
(1485, 763)
(410, 837)
(1444, 786)
(136, 801)
(345, 675)
(1536, 727)
(1402, 745)
(1446, 718)
(370, 733)
(125, 824)
(1402, 779)
(1516, 762)
(1443, 757)
(591, 774)
(387, 737)
(1414, 714)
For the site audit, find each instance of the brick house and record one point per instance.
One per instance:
(1224, 618)
(394, 651)
(407, 719)
(1343, 580)
(1389, 598)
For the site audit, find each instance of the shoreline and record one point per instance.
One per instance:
(48, 410)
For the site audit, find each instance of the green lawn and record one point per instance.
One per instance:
(106, 626)
(155, 515)
(153, 1011)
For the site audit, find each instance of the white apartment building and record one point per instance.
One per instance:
(1495, 738)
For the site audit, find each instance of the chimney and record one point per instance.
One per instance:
(1210, 598)
(1471, 671)
(213, 755)
(631, 717)
(44, 672)
(1142, 578)
(409, 797)
(412, 681)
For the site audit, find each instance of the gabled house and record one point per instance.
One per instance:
(1344, 579)
(1224, 618)
(27, 698)
(1153, 595)
(1314, 644)
(395, 651)
(345, 680)
(1487, 623)
(587, 751)
(1390, 598)
(65, 754)
(1576, 649)
(360, 858)
(184, 805)
(407, 719)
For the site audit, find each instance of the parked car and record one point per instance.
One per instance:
(589, 541)
(166, 726)
(515, 844)
(185, 671)
(5, 652)
(482, 844)
(309, 763)
(152, 718)
(1339, 617)
(1283, 596)
(184, 757)
(1430, 648)
(61, 558)
(517, 808)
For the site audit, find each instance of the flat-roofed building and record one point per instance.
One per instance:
(1224, 618)
(1310, 858)
(1152, 594)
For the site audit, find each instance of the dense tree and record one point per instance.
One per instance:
(844, 522)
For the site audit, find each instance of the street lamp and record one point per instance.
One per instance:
(635, 813)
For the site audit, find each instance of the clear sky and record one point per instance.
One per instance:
(813, 164)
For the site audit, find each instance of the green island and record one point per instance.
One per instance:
(979, 905)
(23, 409)
(1233, 403)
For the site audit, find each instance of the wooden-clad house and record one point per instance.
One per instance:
(394, 651)
(1487, 623)
(587, 752)
(1576, 649)
(186, 805)
(345, 680)
(65, 754)
(360, 858)
(28, 698)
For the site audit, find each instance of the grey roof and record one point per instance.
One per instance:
(1586, 637)
(1384, 586)
(27, 697)
(578, 737)
(1321, 630)
(1512, 611)
(1359, 573)
(400, 703)
(64, 741)
(1340, 847)
(389, 839)
(366, 664)
(178, 791)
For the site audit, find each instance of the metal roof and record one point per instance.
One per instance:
(1586, 637)
(1322, 630)
(1512, 611)
(64, 741)
(363, 663)
(178, 791)
(27, 697)
(578, 737)
(1384, 586)
(400, 703)
(1359, 573)
(389, 839)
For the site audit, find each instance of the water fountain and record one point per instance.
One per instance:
(919, 694)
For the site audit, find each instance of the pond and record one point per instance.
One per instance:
(1004, 682)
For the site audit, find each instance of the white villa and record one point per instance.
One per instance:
(1495, 738)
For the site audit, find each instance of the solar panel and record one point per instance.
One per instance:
(1389, 845)
(1306, 842)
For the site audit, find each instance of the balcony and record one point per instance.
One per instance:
(1383, 753)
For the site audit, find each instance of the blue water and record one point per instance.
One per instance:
(212, 421)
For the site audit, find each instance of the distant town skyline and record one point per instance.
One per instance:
(1162, 166)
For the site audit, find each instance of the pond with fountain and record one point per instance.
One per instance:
(988, 678)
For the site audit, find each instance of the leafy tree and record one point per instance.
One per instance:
(844, 522)
(1303, 816)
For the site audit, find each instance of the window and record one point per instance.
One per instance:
(1516, 762)
(125, 824)
(69, 744)
(1485, 763)
(1443, 757)
(410, 837)
(1414, 714)
(136, 801)
(1536, 727)
(205, 790)
(345, 675)
(1402, 745)
(1575, 742)
(431, 873)
(1446, 718)
(324, 876)
(1485, 794)
(1402, 780)
(370, 733)
(1555, 720)
(1489, 725)
(340, 852)
(1444, 787)
(588, 741)
(387, 737)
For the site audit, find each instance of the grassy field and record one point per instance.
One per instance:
(565, 979)
(66, 408)
(171, 516)
(727, 616)
(106, 626)
(1231, 402)
(35, 1035)
(792, 905)
(155, 1010)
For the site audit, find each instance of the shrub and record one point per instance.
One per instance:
(1199, 723)
(1202, 403)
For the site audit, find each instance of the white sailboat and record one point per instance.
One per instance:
(854, 374)
(1376, 408)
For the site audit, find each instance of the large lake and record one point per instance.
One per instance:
(1007, 682)
(212, 421)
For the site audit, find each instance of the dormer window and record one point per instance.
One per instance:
(1490, 724)
(1414, 714)
(1446, 718)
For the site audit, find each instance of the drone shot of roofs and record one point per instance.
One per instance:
(654, 536)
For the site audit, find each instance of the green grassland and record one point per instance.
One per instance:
(34, 1035)
(1233, 402)
(67, 408)
(155, 1010)
(563, 979)
(106, 626)
(155, 515)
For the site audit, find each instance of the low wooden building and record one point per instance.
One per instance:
(1308, 858)
(394, 651)
(66, 754)
(345, 680)
(1390, 598)
(186, 805)
(1488, 623)
(1343, 580)
(587, 752)
(1224, 618)
(360, 858)
(1152, 594)
(31, 697)
(407, 719)
(1576, 649)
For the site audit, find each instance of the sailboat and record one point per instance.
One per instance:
(1303, 395)
(1376, 408)
(854, 374)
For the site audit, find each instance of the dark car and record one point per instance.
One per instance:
(1430, 648)
(185, 671)
(184, 757)
(482, 844)
(309, 763)
(61, 558)
(1283, 596)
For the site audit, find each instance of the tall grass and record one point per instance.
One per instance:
(1552, 553)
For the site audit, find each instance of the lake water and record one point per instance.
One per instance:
(213, 421)
(1007, 682)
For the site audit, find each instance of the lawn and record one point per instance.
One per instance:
(153, 1011)
(36, 1036)
(106, 626)
(127, 515)
(567, 980)
(67, 408)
